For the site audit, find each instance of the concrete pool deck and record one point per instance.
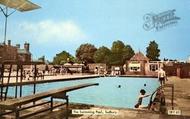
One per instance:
(181, 102)
(120, 113)
(181, 94)
(52, 78)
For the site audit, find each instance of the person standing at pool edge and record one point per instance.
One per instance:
(162, 76)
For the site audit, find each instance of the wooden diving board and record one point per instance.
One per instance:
(15, 104)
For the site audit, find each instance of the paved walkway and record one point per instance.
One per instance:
(51, 78)
(181, 94)
(119, 114)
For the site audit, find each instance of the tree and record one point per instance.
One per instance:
(63, 57)
(120, 53)
(128, 52)
(152, 51)
(102, 55)
(115, 59)
(86, 53)
(116, 56)
(117, 46)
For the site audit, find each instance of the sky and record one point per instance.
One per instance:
(66, 24)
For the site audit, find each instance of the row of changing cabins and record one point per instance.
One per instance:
(181, 70)
(138, 65)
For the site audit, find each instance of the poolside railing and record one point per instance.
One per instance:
(160, 97)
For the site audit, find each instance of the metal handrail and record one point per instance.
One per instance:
(160, 87)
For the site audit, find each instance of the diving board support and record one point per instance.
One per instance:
(60, 96)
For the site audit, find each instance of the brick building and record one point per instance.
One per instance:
(141, 65)
(15, 53)
(8, 52)
(181, 70)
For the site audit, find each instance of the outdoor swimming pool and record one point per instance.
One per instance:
(106, 94)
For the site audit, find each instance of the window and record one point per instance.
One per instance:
(134, 67)
(153, 67)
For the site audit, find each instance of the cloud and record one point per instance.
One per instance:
(49, 30)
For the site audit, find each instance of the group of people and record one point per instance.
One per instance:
(162, 78)
(100, 70)
(59, 70)
(31, 73)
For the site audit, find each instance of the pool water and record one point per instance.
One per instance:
(107, 93)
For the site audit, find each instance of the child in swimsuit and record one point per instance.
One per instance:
(141, 96)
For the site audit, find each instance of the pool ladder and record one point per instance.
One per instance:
(160, 88)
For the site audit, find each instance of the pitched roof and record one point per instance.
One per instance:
(139, 57)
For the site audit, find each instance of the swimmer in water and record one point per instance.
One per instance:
(140, 99)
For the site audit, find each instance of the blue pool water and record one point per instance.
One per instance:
(106, 94)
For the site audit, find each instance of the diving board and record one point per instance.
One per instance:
(15, 104)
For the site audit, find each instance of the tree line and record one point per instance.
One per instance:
(118, 54)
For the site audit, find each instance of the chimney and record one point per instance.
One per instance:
(9, 42)
(18, 46)
(26, 46)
